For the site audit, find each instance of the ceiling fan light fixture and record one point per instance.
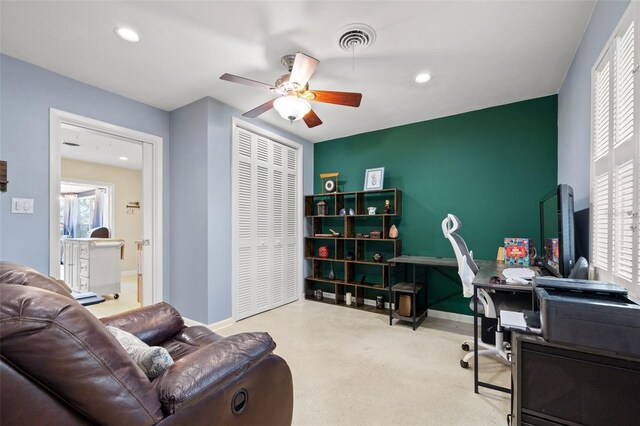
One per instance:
(291, 107)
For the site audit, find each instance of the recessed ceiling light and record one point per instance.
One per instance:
(423, 77)
(124, 158)
(127, 34)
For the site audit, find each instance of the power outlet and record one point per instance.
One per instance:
(22, 205)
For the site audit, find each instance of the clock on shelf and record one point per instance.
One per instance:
(329, 182)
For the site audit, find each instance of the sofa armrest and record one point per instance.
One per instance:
(152, 324)
(199, 374)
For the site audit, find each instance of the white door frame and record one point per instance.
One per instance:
(236, 122)
(56, 118)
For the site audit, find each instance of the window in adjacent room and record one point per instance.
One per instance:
(615, 163)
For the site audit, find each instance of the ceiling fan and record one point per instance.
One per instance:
(293, 88)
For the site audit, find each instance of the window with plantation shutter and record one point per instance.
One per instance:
(615, 179)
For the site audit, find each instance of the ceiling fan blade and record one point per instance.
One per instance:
(235, 79)
(339, 98)
(259, 110)
(312, 119)
(303, 68)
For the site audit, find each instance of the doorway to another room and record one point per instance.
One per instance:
(105, 230)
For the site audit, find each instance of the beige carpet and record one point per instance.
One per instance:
(351, 368)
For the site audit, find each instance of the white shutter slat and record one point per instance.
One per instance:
(291, 159)
(244, 282)
(623, 220)
(262, 207)
(277, 277)
(601, 221)
(278, 204)
(263, 150)
(601, 118)
(291, 206)
(245, 211)
(244, 144)
(624, 87)
(262, 278)
(291, 273)
(277, 154)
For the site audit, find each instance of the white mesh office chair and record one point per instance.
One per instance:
(467, 269)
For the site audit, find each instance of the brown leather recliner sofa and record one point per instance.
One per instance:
(60, 365)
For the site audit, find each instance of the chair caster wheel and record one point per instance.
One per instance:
(465, 347)
(464, 364)
(116, 296)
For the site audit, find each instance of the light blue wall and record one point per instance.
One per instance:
(574, 101)
(26, 94)
(189, 207)
(197, 178)
(207, 275)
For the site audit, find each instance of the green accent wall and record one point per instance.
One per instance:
(488, 167)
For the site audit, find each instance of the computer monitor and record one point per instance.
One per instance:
(557, 231)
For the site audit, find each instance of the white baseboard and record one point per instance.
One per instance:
(130, 272)
(189, 322)
(221, 324)
(467, 319)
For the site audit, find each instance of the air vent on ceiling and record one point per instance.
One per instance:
(70, 143)
(356, 36)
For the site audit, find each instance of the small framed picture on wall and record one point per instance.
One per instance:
(373, 178)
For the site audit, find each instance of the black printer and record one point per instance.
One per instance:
(592, 314)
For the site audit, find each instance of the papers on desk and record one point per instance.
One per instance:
(525, 273)
(515, 321)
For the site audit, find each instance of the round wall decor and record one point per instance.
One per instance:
(329, 185)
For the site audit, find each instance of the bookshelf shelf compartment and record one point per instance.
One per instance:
(359, 267)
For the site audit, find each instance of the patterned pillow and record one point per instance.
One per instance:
(152, 360)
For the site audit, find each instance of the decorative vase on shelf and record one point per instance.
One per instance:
(332, 275)
(323, 251)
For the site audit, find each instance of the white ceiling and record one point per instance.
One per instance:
(101, 148)
(480, 53)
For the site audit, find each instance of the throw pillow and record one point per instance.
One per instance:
(152, 360)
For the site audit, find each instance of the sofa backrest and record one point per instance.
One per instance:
(13, 273)
(57, 343)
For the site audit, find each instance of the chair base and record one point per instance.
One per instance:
(501, 349)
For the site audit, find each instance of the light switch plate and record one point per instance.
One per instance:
(22, 205)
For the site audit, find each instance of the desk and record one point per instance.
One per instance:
(412, 287)
(559, 384)
(486, 270)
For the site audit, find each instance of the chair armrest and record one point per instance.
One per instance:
(152, 324)
(199, 374)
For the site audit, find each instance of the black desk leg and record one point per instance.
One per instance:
(391, 297)
(414, 297)
(475, 339)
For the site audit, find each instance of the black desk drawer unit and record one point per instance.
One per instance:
(556, 385)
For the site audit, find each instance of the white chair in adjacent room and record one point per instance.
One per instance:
(489, 304)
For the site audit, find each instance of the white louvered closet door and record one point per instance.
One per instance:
(615, 193)
(265, 224)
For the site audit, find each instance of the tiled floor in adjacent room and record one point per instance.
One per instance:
(128, 298)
